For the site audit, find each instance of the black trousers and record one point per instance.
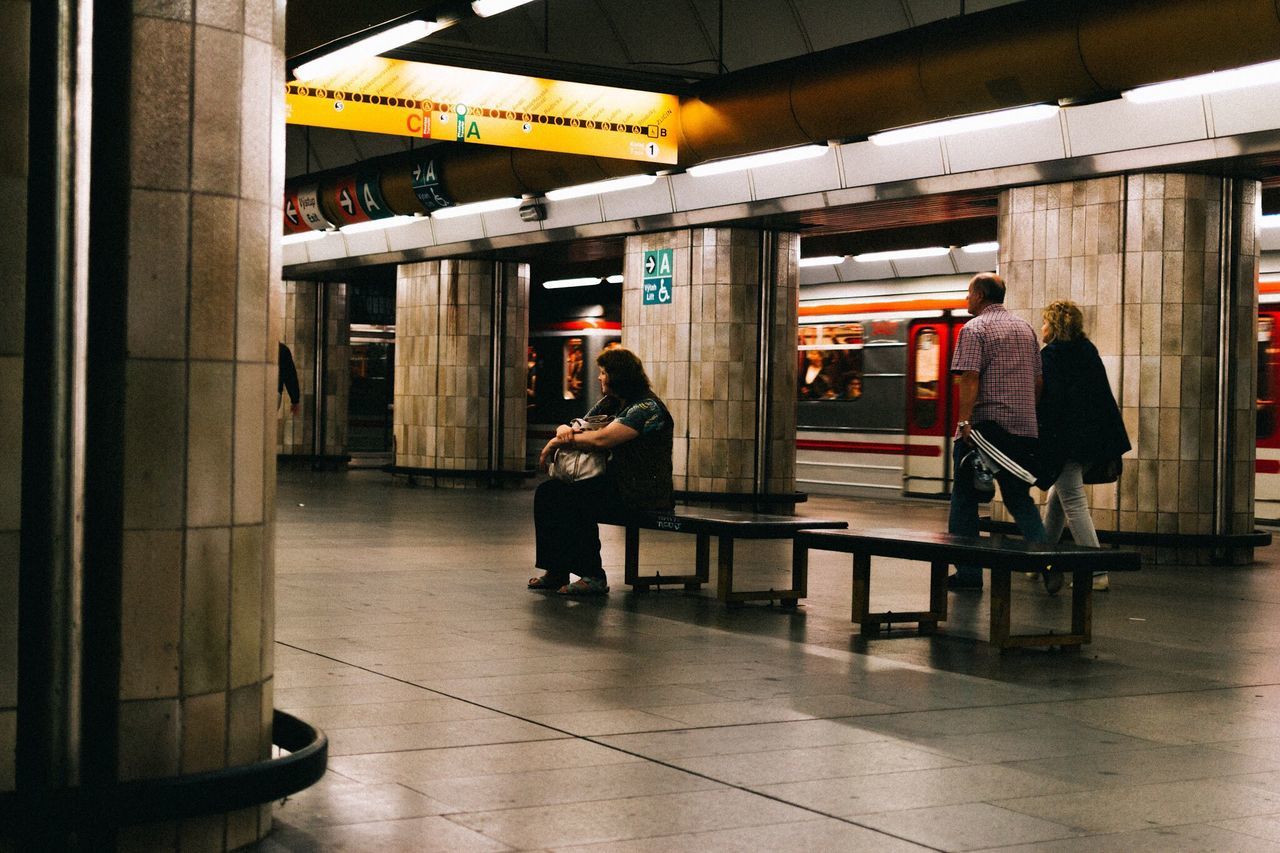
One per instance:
(565, 525)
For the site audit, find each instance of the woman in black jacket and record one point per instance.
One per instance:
(1079, 421)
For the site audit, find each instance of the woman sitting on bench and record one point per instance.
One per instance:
(637, 476)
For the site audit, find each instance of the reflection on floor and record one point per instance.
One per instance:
(466, 713)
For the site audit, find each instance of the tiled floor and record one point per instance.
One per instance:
(466, 713)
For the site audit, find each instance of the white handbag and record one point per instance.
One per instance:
(571, 464)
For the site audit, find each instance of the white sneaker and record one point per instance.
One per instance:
(1101, 583)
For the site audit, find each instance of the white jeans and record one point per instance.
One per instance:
(1068, 507)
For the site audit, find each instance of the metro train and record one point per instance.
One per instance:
(876, 411)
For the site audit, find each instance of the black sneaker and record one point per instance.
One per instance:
(954, 583)
(1052, 580)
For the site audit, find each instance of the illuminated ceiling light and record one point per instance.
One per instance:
(756, 161)
(615, 279)
(975, 248)
(556, 284)
(1206, 84)
(1269, 220)
(822, 261)
(304, 237)
(967, 124)
(380, 42)
(485, 8)
(378, 224)
(612, 185)
(901, 254)
(476, 207)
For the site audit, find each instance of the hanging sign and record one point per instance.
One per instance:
(346, 202)
(309, 208)
(293, 221)
(369, 197)
(468, 105)
(657, 285)
(426, 185)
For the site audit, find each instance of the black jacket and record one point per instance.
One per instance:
(1078, 416)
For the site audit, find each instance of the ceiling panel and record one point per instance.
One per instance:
(830, 24)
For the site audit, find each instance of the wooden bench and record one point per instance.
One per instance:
(727, 526)
(1002, 556)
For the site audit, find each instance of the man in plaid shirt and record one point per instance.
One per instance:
(997, 368)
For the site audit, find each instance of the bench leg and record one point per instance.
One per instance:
(937, 597)
(724, 568)
(1000, 601)
(862, 595)
(631, 558)
(799, 575)
(1082, 606)
(702, 562)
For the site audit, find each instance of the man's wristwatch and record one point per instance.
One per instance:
(960, 425)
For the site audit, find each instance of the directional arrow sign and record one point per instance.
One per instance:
(658, 287)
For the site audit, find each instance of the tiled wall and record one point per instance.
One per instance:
(296, 432)
(442, 370)
(200, 404)
(14, 21)
(701, 353)
(1140, 254)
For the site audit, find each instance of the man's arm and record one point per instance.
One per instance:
(967, 385)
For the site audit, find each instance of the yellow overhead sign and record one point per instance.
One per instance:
(467, 105)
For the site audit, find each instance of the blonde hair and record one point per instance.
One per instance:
(1064, 320)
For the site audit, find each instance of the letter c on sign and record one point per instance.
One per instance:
(413, 122)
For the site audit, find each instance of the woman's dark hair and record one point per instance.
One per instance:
(627, 379)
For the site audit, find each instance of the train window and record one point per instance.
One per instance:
(830, 374)
(926, 356)
(1266, 378)
(574, 368)
(925, 387)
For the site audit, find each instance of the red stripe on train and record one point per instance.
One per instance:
(882, 447)
(1267, 466)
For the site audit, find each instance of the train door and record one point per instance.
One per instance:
(1267, 478)
(929, 411)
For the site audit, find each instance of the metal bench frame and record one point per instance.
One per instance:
(726, 526)
(1002, 556)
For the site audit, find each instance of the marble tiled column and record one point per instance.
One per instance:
(701, 353)
(198, 340)
(297, 432)
(1140, 254)
(443, 376)
(13, 275)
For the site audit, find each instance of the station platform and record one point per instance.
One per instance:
(467, 713)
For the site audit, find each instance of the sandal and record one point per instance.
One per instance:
(585, 586)
(546, 583)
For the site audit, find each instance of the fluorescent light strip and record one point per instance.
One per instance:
(757, 161)
(475, 207)
(615, 279)
(303, 237)
(378, 224)
(822, 261)
(485, 8)
(975, 248)
(598, 187)
(375, 44)
(1206, 84)
(901, 254)
(1269, 220)
(556, 284)
(967, 124)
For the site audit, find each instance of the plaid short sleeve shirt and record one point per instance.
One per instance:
(1003, 350)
